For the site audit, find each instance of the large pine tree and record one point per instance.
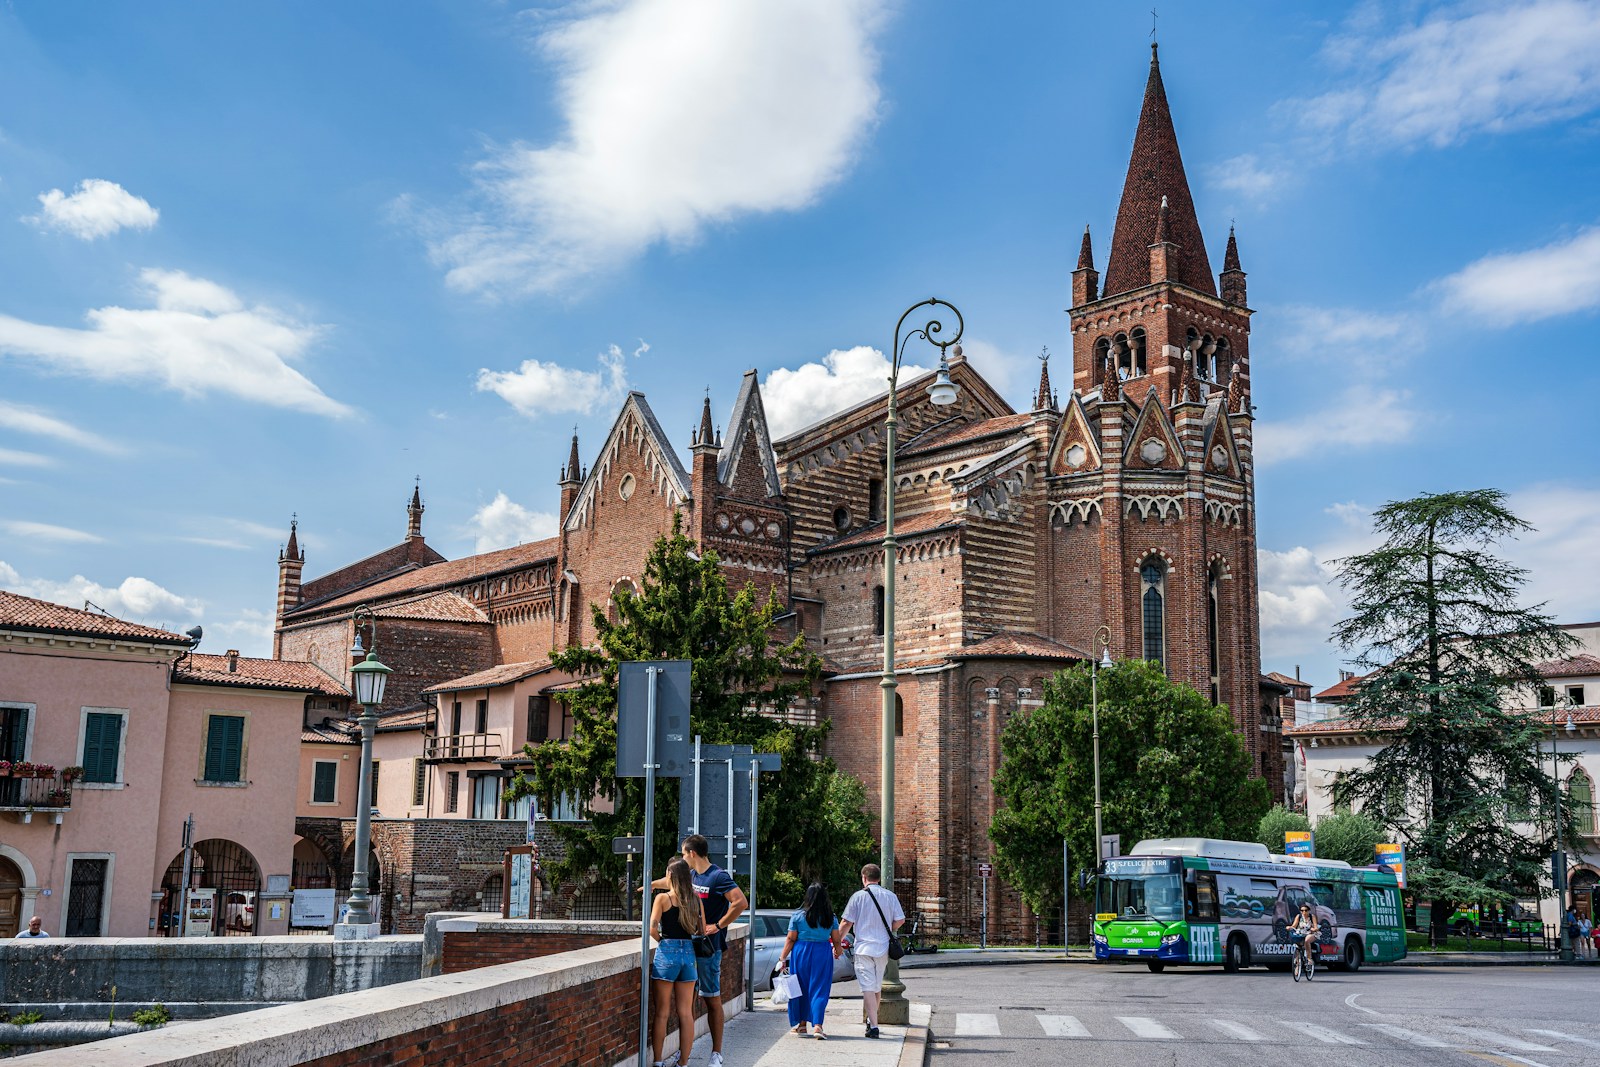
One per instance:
(812, 820)
(1437, 619)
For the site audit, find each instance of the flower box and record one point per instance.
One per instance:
(43, 770)
(5, 768)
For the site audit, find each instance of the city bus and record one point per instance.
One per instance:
(1185, 900)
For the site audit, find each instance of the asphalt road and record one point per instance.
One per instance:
(1382, 1016)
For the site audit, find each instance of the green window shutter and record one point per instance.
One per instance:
(102, 743)
(325, 782)
(225, 748)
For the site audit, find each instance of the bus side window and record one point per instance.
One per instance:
(1205, 892)
(1324, 894)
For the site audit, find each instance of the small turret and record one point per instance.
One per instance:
(1232, 277)
(1163, 252)
(414, 512)
(1044, 399)
(571, 478)
(291, 563)
(1085, 280)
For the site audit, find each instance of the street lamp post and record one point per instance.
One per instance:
(368, 679)
(1102, 635)
(894, 1009)
(1558, 858)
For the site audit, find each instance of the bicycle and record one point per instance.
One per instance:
(1305, 961)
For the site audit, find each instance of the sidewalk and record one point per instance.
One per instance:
(761, 1038)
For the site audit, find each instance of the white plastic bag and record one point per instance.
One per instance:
(785, 986)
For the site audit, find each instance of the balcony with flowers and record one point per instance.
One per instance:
(28, 788)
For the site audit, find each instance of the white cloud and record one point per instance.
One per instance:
(44, 531)
(1557, 279)
(31, 420)
(1463, 69)
(679, 114)
(1565, 518)
(1373, 338)
(1007, 371)
(135, 599)
(1299, 600)
(794, 399)
(502, 523)
(198, 339)
(97, 208)
(1355, 419)
(250, 631)
(24, 459)
(1247, 176)
(540, 388)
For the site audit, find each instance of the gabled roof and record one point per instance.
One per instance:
(1341, 690)
(747, 432)
(437, 576)
(251, 673)
(1155, 170)
(1020, 646)
(1572, 667)
(505, 674)
(953, 433)
(437, 607)
(904, 526)
(1278, 676)
(18, 612)
(408, 555)
(663, 458)
(331, 732)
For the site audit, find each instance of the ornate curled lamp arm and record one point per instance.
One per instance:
(930, 332)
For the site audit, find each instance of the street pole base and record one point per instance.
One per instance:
(894, 1009)
(355, 931)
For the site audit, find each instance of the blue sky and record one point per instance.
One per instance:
(258, 260)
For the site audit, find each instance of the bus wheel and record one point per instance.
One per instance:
(1236, 955)
(1156, 966)
(1353, 955)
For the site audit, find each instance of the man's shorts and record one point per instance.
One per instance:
(869, 972)
(708, 971)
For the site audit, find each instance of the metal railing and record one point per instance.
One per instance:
(462, 747)
(35, 794)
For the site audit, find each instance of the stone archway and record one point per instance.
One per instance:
(19, 891)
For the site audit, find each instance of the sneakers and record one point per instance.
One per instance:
(872, 1031)
(715, 1061)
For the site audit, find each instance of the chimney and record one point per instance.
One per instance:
(233, 661)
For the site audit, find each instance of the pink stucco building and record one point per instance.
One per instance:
(124, 733)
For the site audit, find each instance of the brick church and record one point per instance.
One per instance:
(1127, 503)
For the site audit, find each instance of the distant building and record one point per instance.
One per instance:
(139, 734)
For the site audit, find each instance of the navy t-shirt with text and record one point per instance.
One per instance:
(712, 886)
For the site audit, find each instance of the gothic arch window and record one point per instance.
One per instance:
(1153, 608)
(1222, 363)
(877, 610)
(1137, 342)
(1214, 629)
(1580, 794)
(1102, 352)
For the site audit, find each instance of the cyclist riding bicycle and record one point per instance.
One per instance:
(1304, 930)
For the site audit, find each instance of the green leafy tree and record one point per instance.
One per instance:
(811, 821)
(1171, 765)
(1278, 821)
(1437, 619)
(1349, 836)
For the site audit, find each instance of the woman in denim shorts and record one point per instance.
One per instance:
(674, 920)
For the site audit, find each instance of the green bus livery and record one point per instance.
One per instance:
(1200, 900)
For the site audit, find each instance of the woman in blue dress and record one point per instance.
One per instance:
(814, 942)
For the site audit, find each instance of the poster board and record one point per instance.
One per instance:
(312, 908)
(199, 912)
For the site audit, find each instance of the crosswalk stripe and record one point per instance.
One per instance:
(1408, 1035)
(1149, 1028)
(974, 1025)
(1559, 1036)
(1323, 1034)
(1238, 1030)
(1489, 1037)
(1062, 1026)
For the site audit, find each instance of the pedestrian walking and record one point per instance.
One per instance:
(723, 902)
(872, 915)
(814, 942)
(676, 919)
(1585, 932)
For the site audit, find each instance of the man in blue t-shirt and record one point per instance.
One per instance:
(723, 902)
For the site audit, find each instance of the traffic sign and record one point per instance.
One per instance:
(986, 870)
(627, 846)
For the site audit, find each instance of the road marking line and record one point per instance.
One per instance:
(1559, 1036)
(1350, 1001)
(1062, 1026)
(1408, 1035)
(1523, 1059)
(1323, 1034)
(1238, 1030)
(1149, 1028)
(1489, 1037)
(970, 1025)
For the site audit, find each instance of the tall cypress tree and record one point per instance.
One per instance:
(1437, 619)
(812, 820)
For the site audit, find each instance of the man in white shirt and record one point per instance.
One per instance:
(35, 928)
(873, 915)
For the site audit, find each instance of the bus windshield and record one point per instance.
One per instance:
(1148, 896)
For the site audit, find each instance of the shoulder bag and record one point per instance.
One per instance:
(896, 949)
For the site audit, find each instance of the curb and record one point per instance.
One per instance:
(1411, 960)
(914, 1051)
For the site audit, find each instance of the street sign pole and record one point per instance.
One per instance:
(649, 864)
(1066, 892)
(750, 938)
(983, 929)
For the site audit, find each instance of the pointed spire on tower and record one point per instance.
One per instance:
(706, 435)
(292, 552)
(1155, 169)
(1043, 400)
(414, 511)
(1232, 278)
(1085, 280)
(1230, 258)
(570, 473)
(1163, 233)
(1236, 400)
(1111, 387)
(1086, 252)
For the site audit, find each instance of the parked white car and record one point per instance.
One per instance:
(772, 927)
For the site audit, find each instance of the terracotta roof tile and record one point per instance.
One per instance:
(504, 674)
(1554, 718)
(436, 607)
(249, 673)
(331, 734)
(18, 612)
(1278, 676)
(413, 718)
(1571, 667)
(437, 576)
(1341, 690)
(903, 527)
(941, 437)
(1022, 646)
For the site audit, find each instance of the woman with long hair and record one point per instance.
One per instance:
(675, 920)
(814, 942)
